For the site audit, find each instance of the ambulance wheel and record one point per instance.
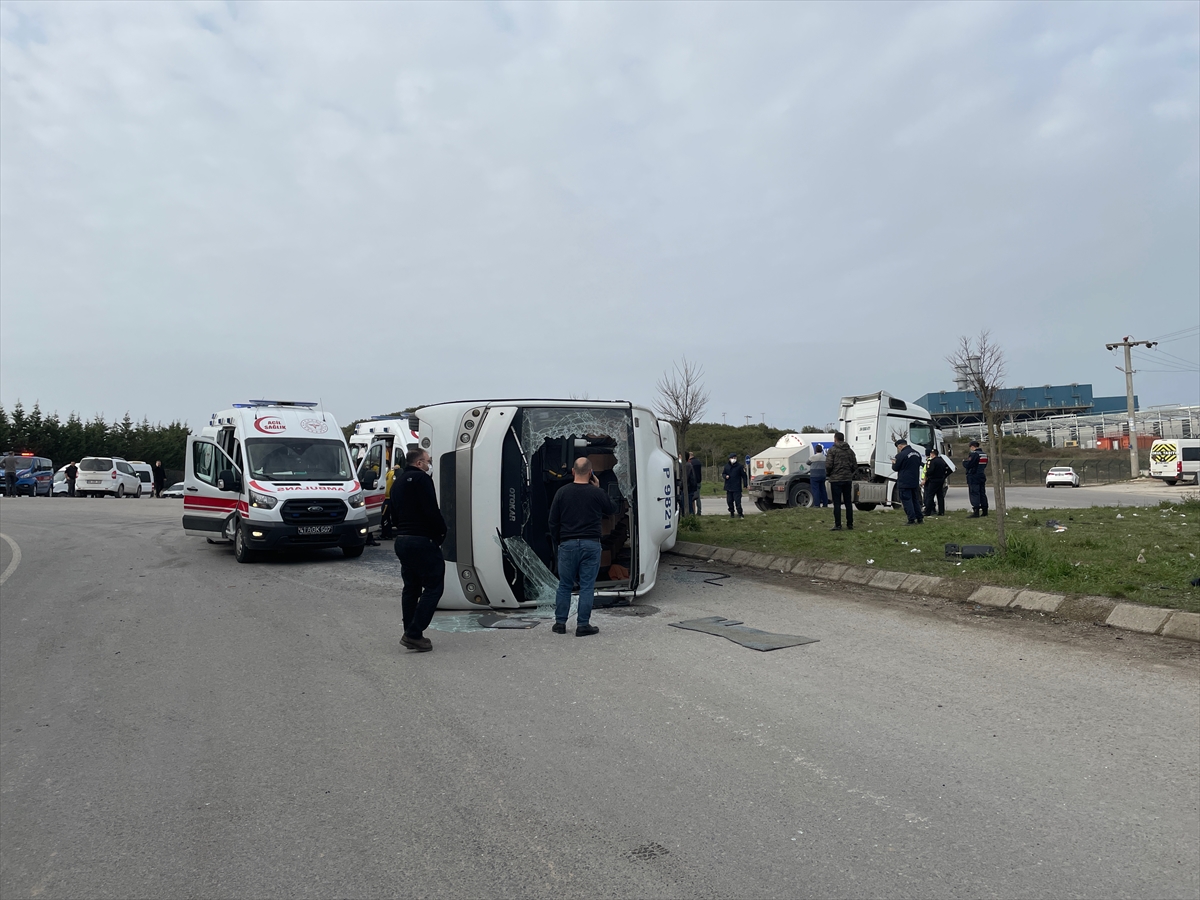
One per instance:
(800, 495)
(865, 507)
(353, 552)
(241, 552)
(763, 504)
(120, 491)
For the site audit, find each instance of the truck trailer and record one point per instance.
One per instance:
(779, 475)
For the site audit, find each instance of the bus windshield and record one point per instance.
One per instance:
(298, 459)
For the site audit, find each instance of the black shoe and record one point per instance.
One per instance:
(985, 512)
(559, 627)
(974, 515)
(421, 645)
(585, 630)
(741, 516)
(836, 528)
(732, 516)
(911, 522)
(849, 527)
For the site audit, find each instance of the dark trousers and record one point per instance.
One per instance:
(977, 488)
(694, 502)
(841, 494)
(935, 498)
(424, 572)
(385, 519)
(820, 498)
(10, 484)
(70, 487)
(910, 499)
(734, 498)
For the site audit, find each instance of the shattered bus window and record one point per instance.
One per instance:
(538, 457)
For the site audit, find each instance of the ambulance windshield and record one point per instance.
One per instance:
(298, 459)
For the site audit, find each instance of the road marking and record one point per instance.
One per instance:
(16, 560)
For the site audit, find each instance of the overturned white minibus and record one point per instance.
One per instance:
(497, 465)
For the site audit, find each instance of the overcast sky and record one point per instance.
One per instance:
(380, 204)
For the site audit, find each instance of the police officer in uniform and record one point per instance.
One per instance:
(975, 465)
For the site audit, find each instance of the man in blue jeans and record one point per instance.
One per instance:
(576, 515)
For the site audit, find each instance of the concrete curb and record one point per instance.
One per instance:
(1170, 623)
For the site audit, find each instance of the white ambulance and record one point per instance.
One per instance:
(376, 445)
(497, 465)
(271, 474)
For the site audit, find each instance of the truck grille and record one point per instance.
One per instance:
(323, 511)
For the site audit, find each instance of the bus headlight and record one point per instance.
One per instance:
(262, 501)
(356, 500)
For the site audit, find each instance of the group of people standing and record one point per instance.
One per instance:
(921, 482)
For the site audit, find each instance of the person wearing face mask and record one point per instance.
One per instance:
(420, 531)
(735, 478)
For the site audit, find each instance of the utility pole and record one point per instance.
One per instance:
(1129, 344)
(747, 418)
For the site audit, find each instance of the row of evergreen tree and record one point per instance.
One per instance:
(70, 441)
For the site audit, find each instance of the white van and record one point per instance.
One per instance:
(376, 445)
(497, 465)
(145, 474)
(271, 474)
(1175, 459)
(101, 476)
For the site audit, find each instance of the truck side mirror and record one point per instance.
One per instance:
(229, 481)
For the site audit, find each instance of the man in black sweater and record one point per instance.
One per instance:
(575, 524)
(420, 530)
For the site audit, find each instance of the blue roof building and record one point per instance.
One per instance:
(951, 409)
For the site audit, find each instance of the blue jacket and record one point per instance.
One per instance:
(735, 477)
(976, 465)
(908, 467)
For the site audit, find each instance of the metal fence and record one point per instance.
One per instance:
(1022, 470)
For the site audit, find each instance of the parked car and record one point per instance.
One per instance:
(145, 474)
(59, 488)
(35, 476)
(111, 475)
(175, 490)
(1062, 475)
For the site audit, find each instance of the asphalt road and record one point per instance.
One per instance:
(173, 724)
(1144, 492)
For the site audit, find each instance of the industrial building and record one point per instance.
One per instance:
(1062, 415)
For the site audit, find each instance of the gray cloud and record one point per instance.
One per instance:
(380, 204)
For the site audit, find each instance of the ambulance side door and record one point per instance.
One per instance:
(372, 475)
(206, 508)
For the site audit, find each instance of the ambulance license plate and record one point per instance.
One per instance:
(314, 529)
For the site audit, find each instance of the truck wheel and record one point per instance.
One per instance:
(800, 495)
(763, 504)
(241, 552)
(352, 552)
(865, 507)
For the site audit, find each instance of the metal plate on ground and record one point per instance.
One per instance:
(734, 630)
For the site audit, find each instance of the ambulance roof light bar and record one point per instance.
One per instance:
(253, 403)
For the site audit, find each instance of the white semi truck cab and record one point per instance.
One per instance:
(497, 465)
(872, 423)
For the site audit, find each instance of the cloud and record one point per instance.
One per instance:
(382, 204)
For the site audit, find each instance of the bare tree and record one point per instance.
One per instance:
(682, 398)
(980, 366)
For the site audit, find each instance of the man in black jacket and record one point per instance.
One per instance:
(975, 466)
(420, 530)
(907, 466)
(937, 470)
(695, 475)
(840, 466)
(734, 474)
(576, 519)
